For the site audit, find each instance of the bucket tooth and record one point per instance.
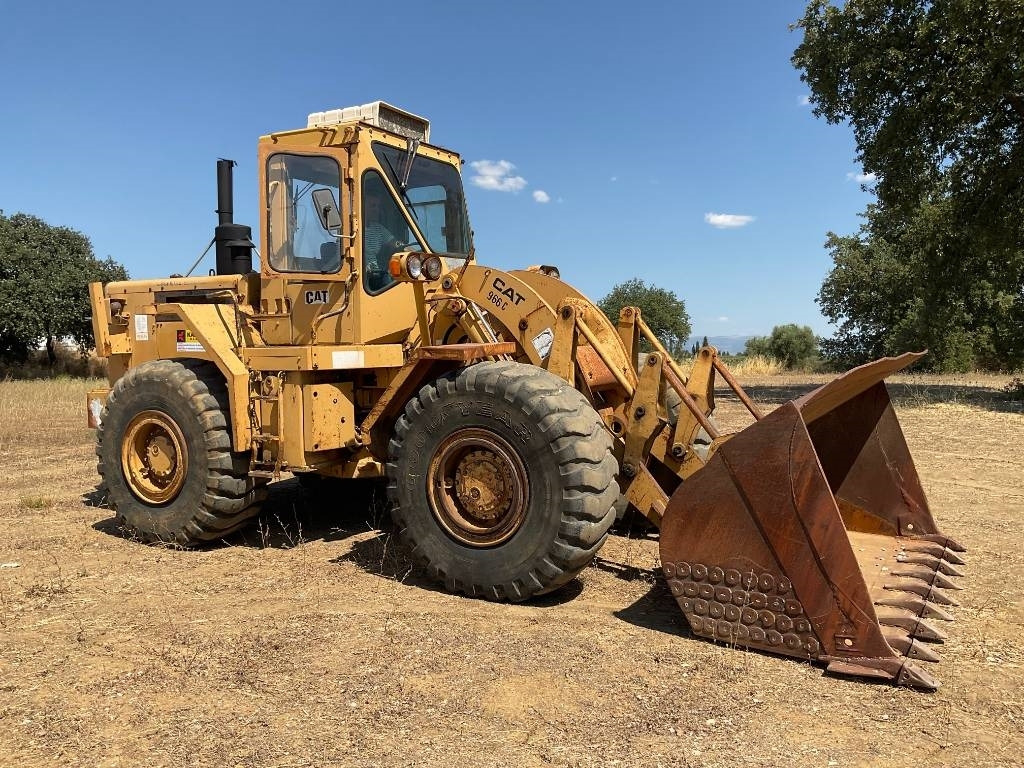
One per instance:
(915, 626)
(922, 588)
(915, 676)
(926, 575)
(935, 550)
(909, 647)
(916, 605)
(901, 671)
(932, 562)
(941, 540)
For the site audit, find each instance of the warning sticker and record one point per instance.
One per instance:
(142, 327)
(542, 342)
(187, 342)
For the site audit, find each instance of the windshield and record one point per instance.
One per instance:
(433, 197)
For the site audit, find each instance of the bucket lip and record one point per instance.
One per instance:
(847, 386)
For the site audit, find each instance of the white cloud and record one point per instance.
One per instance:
(804, 100)
(496, 176)
(541, 196)
(862, 178)
(723, 319)
(727, 220)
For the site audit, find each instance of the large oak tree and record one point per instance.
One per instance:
(45, 273)
(663, 311)
(934, 93)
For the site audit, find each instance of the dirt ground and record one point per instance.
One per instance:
(308, 640)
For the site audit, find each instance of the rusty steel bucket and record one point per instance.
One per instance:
(808, 534)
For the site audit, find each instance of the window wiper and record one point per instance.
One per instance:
(410, 156)
(401, 187)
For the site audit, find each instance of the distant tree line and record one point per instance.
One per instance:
(45, 273)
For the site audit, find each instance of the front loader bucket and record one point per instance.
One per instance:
(808, 534)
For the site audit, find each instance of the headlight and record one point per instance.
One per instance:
(414, 266)
(432, 267)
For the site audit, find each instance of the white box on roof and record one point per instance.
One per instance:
(378, 113)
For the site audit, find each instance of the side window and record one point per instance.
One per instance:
(384, 233)
(299, 242)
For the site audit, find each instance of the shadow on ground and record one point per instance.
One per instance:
(293, 513)
(656, 610)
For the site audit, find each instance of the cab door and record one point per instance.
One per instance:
(308, 266)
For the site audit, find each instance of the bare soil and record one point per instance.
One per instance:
(308, 640)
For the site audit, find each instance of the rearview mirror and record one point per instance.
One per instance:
(327, 210)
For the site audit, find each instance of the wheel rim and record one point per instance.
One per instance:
(153, 457)
(477, 488)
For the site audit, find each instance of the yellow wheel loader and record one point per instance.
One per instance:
(507, 413)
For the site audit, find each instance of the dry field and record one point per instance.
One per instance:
(308, 640)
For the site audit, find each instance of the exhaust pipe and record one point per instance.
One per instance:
(233, 241)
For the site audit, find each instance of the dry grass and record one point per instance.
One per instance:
(757, 365)
(308, 640)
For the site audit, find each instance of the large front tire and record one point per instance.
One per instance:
(502, 480)
(165, 455)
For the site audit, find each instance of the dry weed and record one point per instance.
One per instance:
(757, 365)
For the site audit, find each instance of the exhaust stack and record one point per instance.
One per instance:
(233, 241)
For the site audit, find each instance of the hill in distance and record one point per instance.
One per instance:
(732, 345)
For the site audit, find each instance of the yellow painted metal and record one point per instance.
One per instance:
(512, 304)
(324, 358)
(562, 359)
(215, 329)
(100, 319)
(328, 413)
(290, 421)
(154, 457)
(243, 286)
(644, 493)
(642, 413)
(553, 291)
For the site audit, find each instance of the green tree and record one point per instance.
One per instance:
(934, 93)
(795, 346)
(663, 311)
(45, 272)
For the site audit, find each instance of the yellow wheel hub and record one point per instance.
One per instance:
(153, 457)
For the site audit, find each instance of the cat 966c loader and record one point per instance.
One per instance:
(507, 413)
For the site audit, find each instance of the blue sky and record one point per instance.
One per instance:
(639, 126)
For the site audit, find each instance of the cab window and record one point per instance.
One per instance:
(298, 239)
(385, 232)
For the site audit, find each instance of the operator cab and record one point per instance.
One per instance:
(340, 198)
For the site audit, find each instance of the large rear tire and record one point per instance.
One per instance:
(502, 480)
(165, 455)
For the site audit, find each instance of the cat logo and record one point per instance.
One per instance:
(316, 297)
(508, 292)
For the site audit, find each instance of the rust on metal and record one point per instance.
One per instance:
(808, 534)
(477, 488)
(466, 352)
